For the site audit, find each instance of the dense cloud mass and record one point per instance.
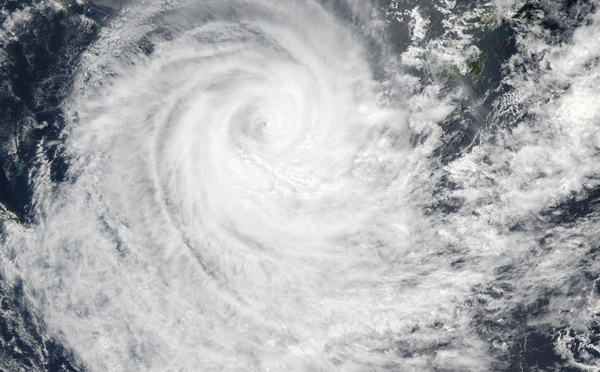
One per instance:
(307, 185)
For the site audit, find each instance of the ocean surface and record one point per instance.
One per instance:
(299, 185)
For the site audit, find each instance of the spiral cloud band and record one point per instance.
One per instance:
(252, 185)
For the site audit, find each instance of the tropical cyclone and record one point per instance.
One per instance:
(244, 194)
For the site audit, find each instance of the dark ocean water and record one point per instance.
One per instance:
(36, 77)
(42, 57)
